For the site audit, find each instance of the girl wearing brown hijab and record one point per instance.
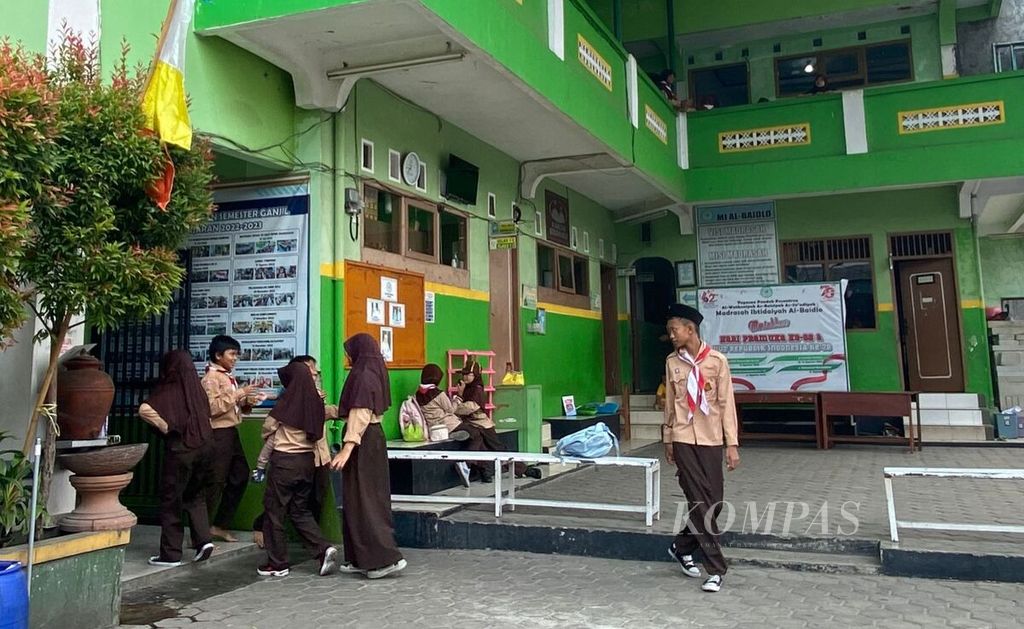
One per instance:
(179, 409)
(439, 409)
(471, 406)
(367, 530)
(298, 422)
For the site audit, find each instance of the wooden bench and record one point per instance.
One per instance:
(859, 403)
(780, 398)
(429, 477)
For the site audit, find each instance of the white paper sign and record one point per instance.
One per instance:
(387, 344)
(779, 338)
(428, 306)
(375, 311)
(737, 245)
(389, 289)
(396, 316)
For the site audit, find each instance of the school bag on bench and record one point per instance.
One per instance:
(592, 442)
(411, 421)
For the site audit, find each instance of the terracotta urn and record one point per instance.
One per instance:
(99, 476)
(84, 396)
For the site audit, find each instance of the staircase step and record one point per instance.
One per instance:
(829, 563)
(641, 432)
(646, 417)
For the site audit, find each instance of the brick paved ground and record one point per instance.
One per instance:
(469, 589)
(846, 474)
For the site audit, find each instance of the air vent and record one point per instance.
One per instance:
(921, 245)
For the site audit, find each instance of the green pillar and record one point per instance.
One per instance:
(670, 14)
(617, 18)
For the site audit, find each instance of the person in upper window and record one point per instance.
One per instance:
(820, 85)
(666, 82)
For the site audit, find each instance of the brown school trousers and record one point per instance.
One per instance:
(183, 481)
(368, 534)
(229, 478)
(702, 480)
(289, 486)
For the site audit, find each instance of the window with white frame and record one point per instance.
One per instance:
(366, 157)
(394, 165)
(600, 248)
(1008, 57)
(538, 223)
(421, 181)
(492, 205)
(586, 242)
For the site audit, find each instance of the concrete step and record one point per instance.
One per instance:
(828, 563)
(641, 402)
(933, 434)
(642, 432)
(646, 417)
(954, 417)
(948, 401)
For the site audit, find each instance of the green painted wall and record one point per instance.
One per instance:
(87, 585)
(567, 360)
(25, 22)
(1002, 263)
(239, 98)
(873, 354)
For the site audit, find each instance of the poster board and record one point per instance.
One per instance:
(789, 337)
(249, 279)
(387, 304)
(737, 245)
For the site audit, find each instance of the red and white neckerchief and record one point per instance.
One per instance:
(695, 384)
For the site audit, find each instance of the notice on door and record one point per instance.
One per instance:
(737, 245)
(249, 279)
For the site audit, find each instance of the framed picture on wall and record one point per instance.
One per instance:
(686, 273)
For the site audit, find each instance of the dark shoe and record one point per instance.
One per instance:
(459, 435)
(713, 584)
(156, 560)
(203, 552)
(347, 568)
(532, 472)
(686, 562)
(486, 475)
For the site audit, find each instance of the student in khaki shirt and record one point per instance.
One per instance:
(700, 416)
(298, 418)
(367, 528)
(228, 402)
(275, 432)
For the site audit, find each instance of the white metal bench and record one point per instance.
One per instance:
(652, 479)
(944, 472)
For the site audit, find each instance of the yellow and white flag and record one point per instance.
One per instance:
(164, 100)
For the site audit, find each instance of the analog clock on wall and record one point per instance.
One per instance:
(411, 168)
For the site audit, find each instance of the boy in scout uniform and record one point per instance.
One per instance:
(700, 417)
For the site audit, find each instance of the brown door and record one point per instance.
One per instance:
(930, 326)
(610, 319)
(504, 276)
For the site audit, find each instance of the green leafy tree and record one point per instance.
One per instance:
(98, 244)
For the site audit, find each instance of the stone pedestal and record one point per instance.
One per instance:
(99, 508)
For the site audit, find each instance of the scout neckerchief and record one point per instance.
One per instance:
(695, 397)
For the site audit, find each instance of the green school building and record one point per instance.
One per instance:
(515, 164)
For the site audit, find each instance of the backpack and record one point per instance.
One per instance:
(411, 421)
(592, 442)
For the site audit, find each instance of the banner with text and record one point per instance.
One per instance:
(249, 279)
(737, 245)
(779, 338)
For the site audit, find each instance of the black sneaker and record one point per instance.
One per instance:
(203, 552)
(532, 472)
(270, 571)
(486, 475)
(690, 568)
(713, 584)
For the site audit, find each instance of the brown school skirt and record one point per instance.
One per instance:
(368, 534)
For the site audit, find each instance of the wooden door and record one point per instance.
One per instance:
(610, 321)
(930, 326)
(504, 278)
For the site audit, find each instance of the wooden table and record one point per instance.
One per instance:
(780, 398)
(890, 404)
(562, 425)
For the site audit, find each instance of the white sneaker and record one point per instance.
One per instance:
(155, 560)
(713, 584)
(463, 469)
(380, 573)
(203, 553)
(330, 561)
(267, 571)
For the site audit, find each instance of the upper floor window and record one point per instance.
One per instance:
(1007, 57)
(844, 69)
(721, 86)
(415, 228)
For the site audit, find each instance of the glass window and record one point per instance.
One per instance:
(453, 239)
(421, 230)
(796, 273)
(860, 294)
(724, 86)
(1009, 56)
(546, 266)
(794, 77)
(888, 63)
(565, 274)
(381, 219)
(581, 272)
